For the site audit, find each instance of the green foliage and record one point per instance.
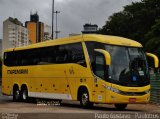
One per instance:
(137, 21)
(153, 39)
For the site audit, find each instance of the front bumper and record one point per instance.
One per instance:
(116, 98)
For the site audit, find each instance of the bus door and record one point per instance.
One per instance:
(99, 82)
(100, 69)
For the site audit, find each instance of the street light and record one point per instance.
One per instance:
(57, 24)
(52, 19)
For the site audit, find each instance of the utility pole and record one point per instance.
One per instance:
(52, 19)
(57, 24)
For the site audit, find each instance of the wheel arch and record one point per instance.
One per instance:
(24, 86)
(82, 88)
(15, 85)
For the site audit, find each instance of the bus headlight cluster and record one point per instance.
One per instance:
(112, 89)
(115, 90)
(147, 91)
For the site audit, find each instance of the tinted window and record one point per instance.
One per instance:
(97, 64)
(90, 47)
(70, 53)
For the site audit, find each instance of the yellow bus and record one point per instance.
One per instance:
(86, 68)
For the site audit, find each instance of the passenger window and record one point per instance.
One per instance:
(77, 54)
(68, 53)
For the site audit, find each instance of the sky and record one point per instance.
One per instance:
(73, 13)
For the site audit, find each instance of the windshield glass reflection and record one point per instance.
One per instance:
(128, 66)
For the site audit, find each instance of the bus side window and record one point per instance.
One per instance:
(68, 53)
(77, 57)
(61, 54)
(90, 47)
(75, 54)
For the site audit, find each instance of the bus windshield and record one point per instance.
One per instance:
(128, 66)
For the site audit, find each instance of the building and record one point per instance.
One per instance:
(36, 28)
(14, 34)
(89, 28)
(47, 32)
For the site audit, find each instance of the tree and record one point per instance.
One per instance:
(134, 21)
(153, 39)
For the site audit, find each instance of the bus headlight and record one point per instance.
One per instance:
(115, 90)
(112, 89)
(147, 91)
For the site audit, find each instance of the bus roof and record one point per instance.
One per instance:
(112, 40)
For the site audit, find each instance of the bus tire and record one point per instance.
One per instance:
(16, 94)
(24, 94)
(120, 106)
(84, 99)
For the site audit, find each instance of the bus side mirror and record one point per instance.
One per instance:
(156, 61)
(106, 55)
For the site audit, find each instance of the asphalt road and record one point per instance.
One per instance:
(50, 109)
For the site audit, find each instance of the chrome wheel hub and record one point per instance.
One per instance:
(17, 94)
(24, 96)
(84, 99)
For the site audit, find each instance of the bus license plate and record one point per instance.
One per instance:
(132, 100)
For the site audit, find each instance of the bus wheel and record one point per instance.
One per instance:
(84, 100)
(24, 94)
(16, 94)
(120, 106)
